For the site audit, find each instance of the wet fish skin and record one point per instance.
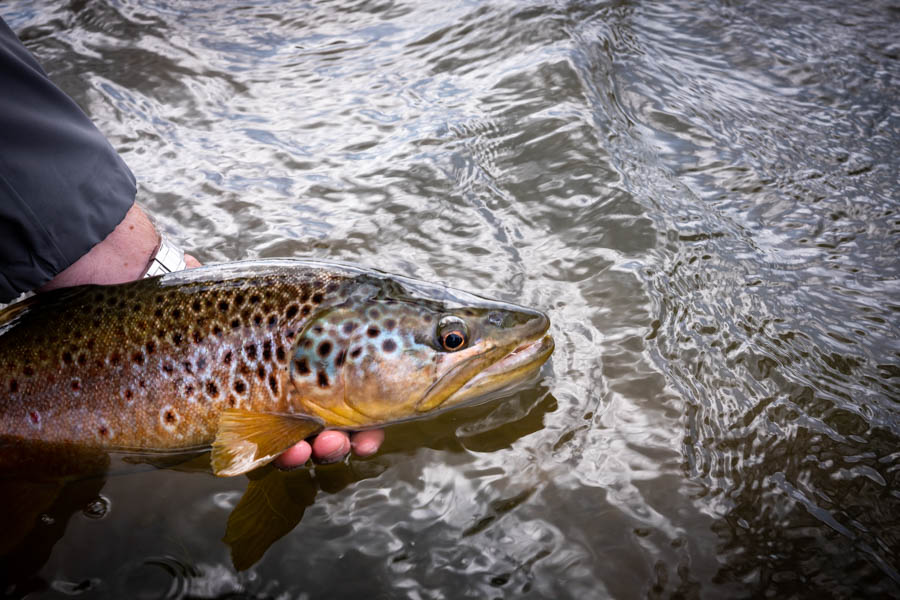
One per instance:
(158, 364)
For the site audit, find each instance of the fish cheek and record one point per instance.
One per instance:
(387, 388)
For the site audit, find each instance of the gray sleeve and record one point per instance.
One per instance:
(63, 188)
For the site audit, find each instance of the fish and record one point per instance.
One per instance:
(248, 358)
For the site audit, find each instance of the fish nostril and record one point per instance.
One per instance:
(495, 318)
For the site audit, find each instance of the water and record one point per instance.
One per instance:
(703, 195)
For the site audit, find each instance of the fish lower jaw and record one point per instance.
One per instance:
(516, 366)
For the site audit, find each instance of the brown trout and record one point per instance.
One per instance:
(251, 357)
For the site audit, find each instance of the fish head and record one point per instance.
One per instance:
(397, 356)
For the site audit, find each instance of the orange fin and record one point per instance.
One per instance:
(247, 440)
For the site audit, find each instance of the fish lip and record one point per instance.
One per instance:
(524, 354)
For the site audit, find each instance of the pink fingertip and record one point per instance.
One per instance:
(293, 457)
(331, 446)
(366, 443)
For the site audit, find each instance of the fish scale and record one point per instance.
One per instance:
(187, 351)
(232, 352)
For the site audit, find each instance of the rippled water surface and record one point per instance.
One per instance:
(704, 197)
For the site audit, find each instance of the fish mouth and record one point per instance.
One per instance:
(516, 366)
(512, 368)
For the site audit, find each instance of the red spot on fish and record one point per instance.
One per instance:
(76, 385)
(128, 394)
(35, 417)
(103, 431)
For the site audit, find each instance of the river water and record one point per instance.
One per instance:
(704, 197)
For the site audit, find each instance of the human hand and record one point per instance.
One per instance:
(331, 446)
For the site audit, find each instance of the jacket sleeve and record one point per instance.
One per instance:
(63, 188)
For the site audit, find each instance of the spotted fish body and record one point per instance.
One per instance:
(171, 363)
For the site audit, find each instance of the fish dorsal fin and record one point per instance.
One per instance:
(246, 440)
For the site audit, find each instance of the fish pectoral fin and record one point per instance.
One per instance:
(246, 440)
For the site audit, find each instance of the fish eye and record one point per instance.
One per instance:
(452, 334)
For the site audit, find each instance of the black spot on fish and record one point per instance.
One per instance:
(332, 288)
(250, 350)
(13, 386)
(217, 331)
(373, 331)
(196, 306)
(235, 323)
(212, 389)
(305, 310)
(227, 358)
(201, 363)
(160, 299)
(231, 401)
(304, 295)
(171, 417)
(257, 319)
(238, 299)
(28, 371)
(389, 345)
(82, 360)
(197, 336)
(177, 338)
(261, 372)
(103, 431)
(67, 358)
(158, 313)
(176, 313)
(324, 349)
(168, 368)
(267, 350)
(322, 379)
(317, 298)
(390, 324)
(255, 299)
(355, 352)
(302, 366)
(128, 394)
(279, 354)
(318, 330)
(349, 326)
(76, 385)
(150, 346)
(339, 359)
(138, 358)
(292, 311)
(115, 358)
(273, 384)
(223, 306)
(272, 320)
(189, 389)
(240, 387)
